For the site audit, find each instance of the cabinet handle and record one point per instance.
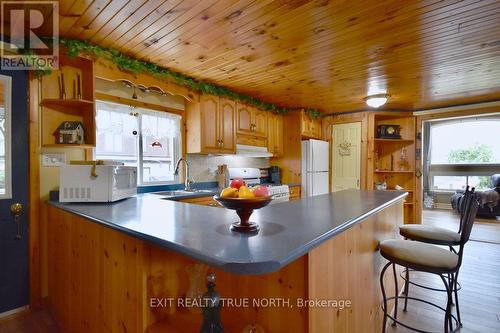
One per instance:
(221, 143)
(212, 204)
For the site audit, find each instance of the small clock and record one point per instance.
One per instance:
(389, 131)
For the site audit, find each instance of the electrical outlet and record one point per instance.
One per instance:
(53, 159)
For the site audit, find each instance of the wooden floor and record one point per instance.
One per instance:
(30, 322)
(479, 298)
(479, 276)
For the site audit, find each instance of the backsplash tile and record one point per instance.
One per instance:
(201, 165)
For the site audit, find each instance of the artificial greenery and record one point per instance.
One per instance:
(128, 63)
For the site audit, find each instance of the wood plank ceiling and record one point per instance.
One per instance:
(323, 54)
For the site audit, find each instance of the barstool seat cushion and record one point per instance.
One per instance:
(419, 256)
(430, 234)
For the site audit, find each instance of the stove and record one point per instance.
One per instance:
(251, 176)
(280, 193)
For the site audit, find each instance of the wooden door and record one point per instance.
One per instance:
(14, 285)
(227, 110)
(260, 122)
(209, 113)
(346, 155)
(243, 119)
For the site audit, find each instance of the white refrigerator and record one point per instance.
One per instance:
(315, 175)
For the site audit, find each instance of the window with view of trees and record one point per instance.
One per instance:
(464, 152)
(150, 140)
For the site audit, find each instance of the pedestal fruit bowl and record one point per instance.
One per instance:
(244, 208)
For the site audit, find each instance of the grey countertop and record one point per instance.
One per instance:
(288, 230)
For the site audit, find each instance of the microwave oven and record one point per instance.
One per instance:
(107, 183)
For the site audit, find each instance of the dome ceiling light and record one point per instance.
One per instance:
(377, 100)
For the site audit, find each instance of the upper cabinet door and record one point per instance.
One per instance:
(271, 136)
(275, 135)
(244, 122)
(279, 136)
(316, 128)
(209, 112)
(305, 124)
(260, 123)
(310, 128)
(227, 135)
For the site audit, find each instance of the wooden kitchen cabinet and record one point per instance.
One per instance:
(275, 134)
(210, 126)
(310, 128)
(251, 121)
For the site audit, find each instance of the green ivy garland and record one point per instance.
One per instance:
(127, 63)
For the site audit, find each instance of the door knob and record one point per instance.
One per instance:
(16, 210)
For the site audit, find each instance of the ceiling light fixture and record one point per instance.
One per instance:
(377, 100)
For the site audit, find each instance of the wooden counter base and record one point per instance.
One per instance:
(101, 280)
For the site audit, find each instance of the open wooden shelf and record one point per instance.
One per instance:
(56, 110)
(388, 156)
(395, 140)
(66, 103)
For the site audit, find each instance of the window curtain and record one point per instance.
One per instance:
(160, 124)
(116, 125)
(116, 119)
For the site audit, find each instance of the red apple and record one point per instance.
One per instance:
(260, 191)
(237, 183)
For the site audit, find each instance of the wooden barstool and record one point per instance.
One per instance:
(430, 259)
(437, 236)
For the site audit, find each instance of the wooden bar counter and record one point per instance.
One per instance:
(121, 267)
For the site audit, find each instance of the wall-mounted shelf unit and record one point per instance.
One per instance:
(393, 160)
(75, 105)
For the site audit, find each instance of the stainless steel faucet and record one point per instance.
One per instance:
(187, 181)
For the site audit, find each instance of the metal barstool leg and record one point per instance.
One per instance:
(457, 307)
(384, 299)
(396, 295)
(407, 288)
(447, 317)
(451, 286)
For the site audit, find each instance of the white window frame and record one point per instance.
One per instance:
(140, 153)
(7, 80)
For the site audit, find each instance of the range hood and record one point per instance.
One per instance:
(252, 151)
